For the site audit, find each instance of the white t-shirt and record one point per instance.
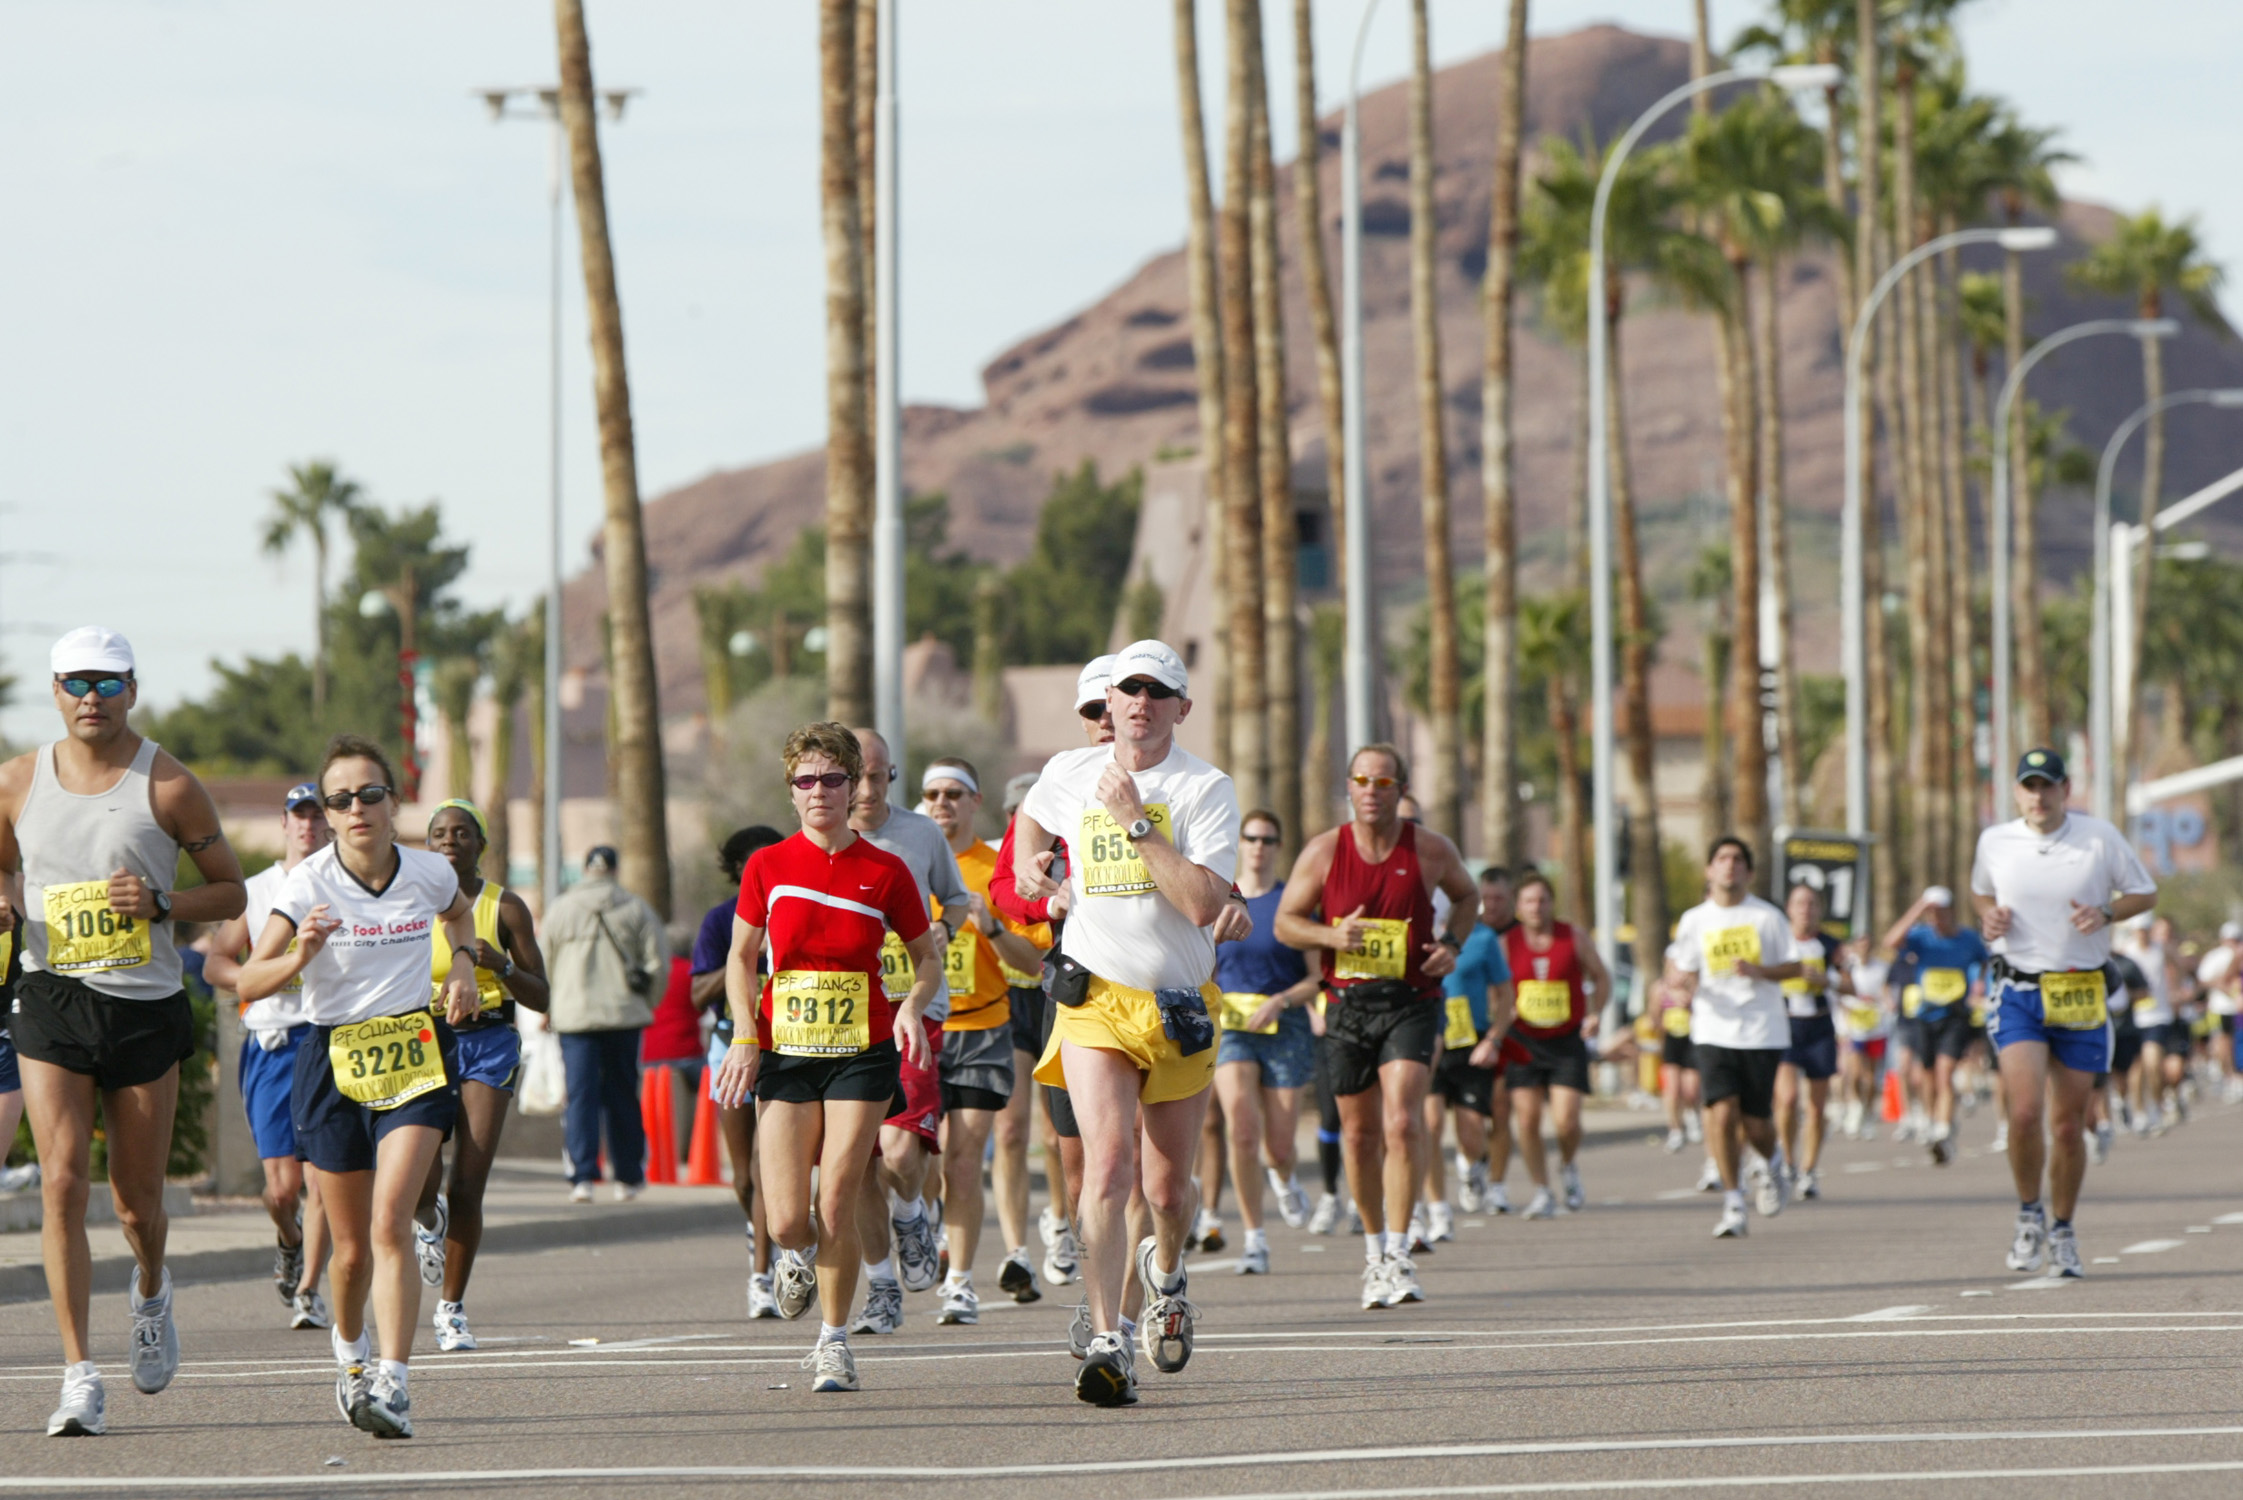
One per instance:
(1731, 1010)
(2156, 1007)
(1866, 1003)
(2039, 876)
(378, 962)
(2214, 971)
(1119, 927)
(277, 1012)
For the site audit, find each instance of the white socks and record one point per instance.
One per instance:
(1374, 1246)
(348, 1353)
(885, 1270)
(829, 1333)
(1257, 1239)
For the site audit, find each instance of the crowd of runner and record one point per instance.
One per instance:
(1133, 976)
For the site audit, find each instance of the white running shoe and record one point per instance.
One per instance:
(1079, 1334)
(1733, 1224)
(453, 1336)
(386, 1411)
(761, 1304)
(1326, 1219)
(1675, 1139)
(581, 1193)
(2098, 1149)
(351, 1381)
(2028, 1252)
(428, 1244)
(155, 1336)
(1810, 1183)
(916, 1255)
(1470, 1194)
(1769, 1191)
(1418, 1243)
(834, 1367)
(311, 1312)
(1401, 1281)
(85, 1407)
(1709, 1178)
(1374, 1284)
(1016, 1277)
(1852, 1119)
(1292, 1202)
(1440, 1223)
(1062, 1260)
(794, 1282)
(960, 1305)
(1499, 1198)
(1542, 1206)
(883, 1308)
(1164, 1328)
(1253, 1260)
(627, 1191)
(2063, 1252)
(1569, 1178)
(1207, 1233)
(1999, 1145)
(1693, 1128)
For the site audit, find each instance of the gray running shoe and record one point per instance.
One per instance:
(351, 1382)
(1569, 1178)
(1401, 1281)
(834, 1367)
(1732, 1224)
(960, 1305)
(1062, 1257)
(1079, 1332)
(288, 1270)
(2028, 1251)
(2063, 1252)
(155, 1336)
(761, 1304)
(916, 1254)
(883, 1308)
(1108, 1375)
(453, 1336)
(1164, 1328)
(310, 1312)
(794, 1283)
(1292, 1202)
(1541, 1206)
(1326, 1219)
(386, 1411)
(428, 1244)
(85, 1408)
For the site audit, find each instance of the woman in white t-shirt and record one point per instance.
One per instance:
(377, 1083)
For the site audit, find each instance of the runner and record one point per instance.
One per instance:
(1949, 966)
(1008, 1167)
(91, 829)
(509, 970)
(12, 1179)
(1734, 952)
(1155, 846)
(712, 951)
(2047, 887)
(377, 1081)
(2164, 1043)
(819, 1041)
(1812, 1058)
(272, 1030)
(1546, 1054)
(1470, 1093)
(2107, 1099)
(1864, 1025)
(1363, 893)
(1267, 1054)
(1678, 1064)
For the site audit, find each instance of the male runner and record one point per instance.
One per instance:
(1153, 848)
(1734, 952)
(1949, 965)
(91, 830)
(272, 1030)
(1474, 1095)
(1008, 1166)
(1546, 1055)
(1811, 1061)
(1363, 894)
(2048, 887)
(2165, 1043)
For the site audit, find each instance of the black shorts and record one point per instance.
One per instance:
(1031, 1019)
(1945, 1032)
(976, 1069)
(1908, 1035)
(1676, 1052)
(1814, 1046)
(2126, 1049)
(338, 1134)
(1552, 1062)
(119, 1044)
(1360, 1038)
(874, 1075)
(1463, 1086)
(1745, 1074)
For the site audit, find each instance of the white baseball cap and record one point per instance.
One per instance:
(1091, 686)
(1938, 895)
(2230, 931)
(91, 648)
(1154, 659)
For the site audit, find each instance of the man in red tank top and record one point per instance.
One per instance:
(1362, 894)
(1546, 1054)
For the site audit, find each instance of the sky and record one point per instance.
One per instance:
(247, 233)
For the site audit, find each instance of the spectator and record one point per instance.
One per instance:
(674, 1039)
(607, 955)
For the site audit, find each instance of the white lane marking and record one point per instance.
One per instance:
(2200, 1229)
(1672, 1195)
(1978, 1293)
(653, 1343)
(2236, 1218)
(2042, 1283)
(1865, 1166)
(1212, 1265)
(1319, 1249)
(1754, 1481)
(2106, 1260)
(2152, 1247)
(1890, 1314)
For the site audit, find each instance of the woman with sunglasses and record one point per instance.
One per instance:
(377, 1081)
(819, 1042)
(448, 1225)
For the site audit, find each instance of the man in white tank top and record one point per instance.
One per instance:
(91, 829)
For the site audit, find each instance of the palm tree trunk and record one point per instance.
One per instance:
(1701, 51)
(1241, 411)
(639, 810)
(1647, 874)
(533, 649)
(498, 850)
(848, 437)
(319, 618)
(1573, 820)
(2153, 475)
(1443, 800)
(1892, 416)
(867, 109)
(1883, 809)
(2031, 697)
(1779, 546)
(1713, 785)
(1916, 528)
(1281, 654)
(1961, 629)
(1318, 794)
(1207, 353)
(1834, 190)
(1748, 746)
(1308, 202)
(1499, 752)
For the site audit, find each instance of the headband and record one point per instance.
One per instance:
(467, 807)
(949, 773)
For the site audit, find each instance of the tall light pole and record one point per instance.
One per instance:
(887, 414)
(1606, 911)
(1853, 647)
(1362, 632)
(1998, 544)
(543, 102)
(2102, 724)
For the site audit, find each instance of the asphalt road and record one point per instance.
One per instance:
(1870, 1342)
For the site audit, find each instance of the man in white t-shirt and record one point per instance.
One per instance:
(2048, 887)
(2220, 973)
(1152, 845)
(1734, 952)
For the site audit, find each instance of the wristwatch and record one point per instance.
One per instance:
(163, 906)
(508, 971)
(1448, 942)
(1142, 828)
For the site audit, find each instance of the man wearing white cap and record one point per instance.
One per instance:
(1949, 963)
(91, 828)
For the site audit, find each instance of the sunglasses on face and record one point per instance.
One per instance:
(1258, 838)
(948, 794)
(373, 794)
(1157, 691)
(1093, 711)
(832, 781)
(1381, 782)
(107, 687)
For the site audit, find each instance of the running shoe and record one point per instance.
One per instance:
(1569, 1178)
(1108, 1376)
(1498, 1198)
(959, 1305)
(2097, 1151)
(883, 1308)
(916, 1255)
(1940, 1145)
(1709, 1179)
(1253, 1260)
(1675, 1139)
(453, 1336)
(311, 1312)
(1062, 1260)
(350, 1390)
(1440, 1224)
(1016, 1278)
(761, 1304)
(1292, 1203)
(1999, 1145)
(1472, 1187)
(626, 1191)
(1418, 1242)
(155, 1336)
(1374, 1285)
(85, 1407)
(1164, 1328)
(2150, 1121)
(1768, 1191)
(1850, 1121)
(385, 1411)
(1207, 1233)
(1079, 1332)
(581, 1193)
(794, 1283)
(1401, 1281)
(1693, 1128)
(2103, 1133)
(1542, 1206)
(1732, 1225)
(1050, 1226)
(1354, 1218)
(288, 1269)
(1904, 1129)
(2063, 1252)
(2029, 1250)
(428, 1244)
(833, 1367)
(25, 1179)
(1810, 1183)
(1326, 1219)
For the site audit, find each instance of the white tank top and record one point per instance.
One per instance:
(71, 845)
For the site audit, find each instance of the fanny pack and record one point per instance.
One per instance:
(1069, 981)
(1378, 994)
(1183, 1016)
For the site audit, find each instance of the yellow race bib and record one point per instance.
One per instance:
(1911, 1000)
(820, 1013)
(2145, 1012)
(384, 1062)
(1545, 1002)
(1945, 986)
(7, 948)
(1730, 946)
(1462, 1035)
(1863, 1018)
(1110, 863)
(896, 971)
(1678, 1021)
(959, 964)
(1385, 953)
(2075, 1000)
(85, 937)
(1238, 1010)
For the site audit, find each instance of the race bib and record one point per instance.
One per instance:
(820, 1013)
(7, 948)
(895, 968)
(1238, 1010)
(1911, 1000)
(1385, 953)
(1461, 1035)
(1863, 1018)
(1945, 986)
(1978, 1015)
(85, 937)
(384, 1062)
(960, 963)
(2145, 1013)
(1545, 1002)
(1111, 865)
(1678, 1021)
(2075, 1000)
(1730, 946)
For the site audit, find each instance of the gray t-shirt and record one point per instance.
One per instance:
(917, 840)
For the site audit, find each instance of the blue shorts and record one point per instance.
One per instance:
(491, 1055)
(2017, 1017)
(1814, 1046)
(268, 1086)
(338, 1134)
(10, 1080)
(1287, 1056)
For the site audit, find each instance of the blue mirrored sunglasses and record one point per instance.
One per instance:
(107, 687)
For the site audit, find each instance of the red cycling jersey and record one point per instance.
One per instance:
(825, 914)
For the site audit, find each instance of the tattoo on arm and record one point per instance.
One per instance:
(199, 845)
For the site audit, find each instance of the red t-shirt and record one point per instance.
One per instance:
(1536, 979)
(675, 1034)
(825, 914)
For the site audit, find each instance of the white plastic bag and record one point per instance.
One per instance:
(545, 1085)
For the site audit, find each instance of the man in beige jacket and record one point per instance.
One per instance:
(606, 955)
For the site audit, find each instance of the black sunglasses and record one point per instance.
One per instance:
(1259, 838)
(108, 687)
(1093, 711)
(1151, 689)
(373, 794)
(948, 794)
(832, 781)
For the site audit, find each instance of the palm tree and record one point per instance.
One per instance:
(1308, 203)
(1869, 263)
(1281, 668)
(1242, 516)
(317, 496)
(517, 659)
(1444, 799)
(865, 97)
(1327, 630)
(543, 762)
(455, 681)
(1499, 754)
(638, 747)
(2148, 259)
(848, 437)
(718, 614)
(1712, 586)
(1553, 640)
(1815, 31)
(1207, 345)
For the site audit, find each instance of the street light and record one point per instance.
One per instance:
(2141, 328)
(1362, 716)
(887, 414)
(2101, 723)
(1853, 647)
(1791, 77)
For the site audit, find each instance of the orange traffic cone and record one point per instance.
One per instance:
(1895, 1106)
(661, 1126)
(701, 1163)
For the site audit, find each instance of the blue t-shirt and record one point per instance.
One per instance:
(1260, 964)
(713, 944)
(1480, 964)
(1925, 952)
